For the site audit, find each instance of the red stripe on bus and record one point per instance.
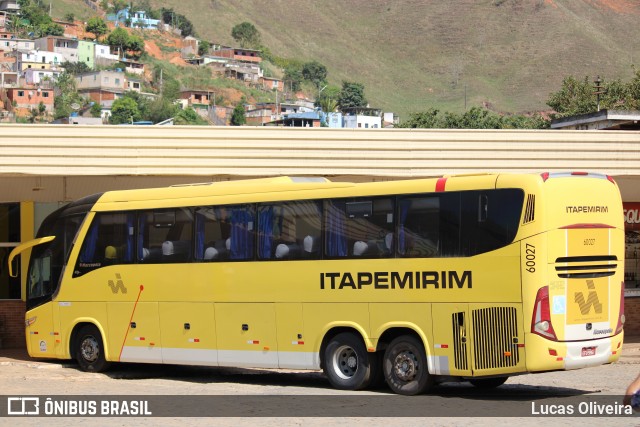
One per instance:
(130, 320)
(440, 184)
(574, 226)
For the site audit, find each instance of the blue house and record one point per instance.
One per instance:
(134, 20)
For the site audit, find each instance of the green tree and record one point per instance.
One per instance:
(96, 110)
(69, 17)
(246, 34)
(66, 96)
(188, 116)
(50, 29)
(352, 95)
(574, 97)
(75, 68)
(124, 110)
(203, 47)
(97, 26)
(135, 44)
(328, 99)
(315, 73)
(293, 78)
(426, 119)
(119, 38)
(177, 20)
(238, 118)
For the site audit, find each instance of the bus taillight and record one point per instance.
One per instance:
(541, 320)
(621, 317)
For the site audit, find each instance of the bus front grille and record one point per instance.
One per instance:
(586, 267)
(495, 338)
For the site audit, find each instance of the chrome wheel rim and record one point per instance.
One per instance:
(345, 362)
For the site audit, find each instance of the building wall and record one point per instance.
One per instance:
(87, 53)
(632, 315)
(12, 324)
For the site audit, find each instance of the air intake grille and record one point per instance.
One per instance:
(460, 341)
(495, 334)
(530, 210)
(586, 267)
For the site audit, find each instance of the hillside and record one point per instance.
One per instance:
(411, 55)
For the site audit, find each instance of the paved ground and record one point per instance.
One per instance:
(20, 375)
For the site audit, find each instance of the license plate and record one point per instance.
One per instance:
(588, 351)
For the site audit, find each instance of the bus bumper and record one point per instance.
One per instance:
(545, 355)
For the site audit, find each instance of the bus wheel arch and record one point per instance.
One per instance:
(345, 360)
(87, 348)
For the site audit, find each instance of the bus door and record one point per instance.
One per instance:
(39, 322)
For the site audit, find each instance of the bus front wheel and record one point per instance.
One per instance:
(89, 350)
(347, 364)
(405, 366)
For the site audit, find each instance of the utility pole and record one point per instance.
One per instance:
(599, 91)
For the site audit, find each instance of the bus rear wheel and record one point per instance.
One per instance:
(487, 383)
(347, 364)
(89, 350)
(405, 366)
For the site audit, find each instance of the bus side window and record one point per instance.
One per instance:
(490, 219)
(165, 235)
(213, 234)
(419, 226)
(109, 241)
(362, 228)
(224, 233)
(289, 230)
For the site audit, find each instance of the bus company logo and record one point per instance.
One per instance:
(23, 406)
(592, 300)
(118, 285)
(587, 209)
(394, 279)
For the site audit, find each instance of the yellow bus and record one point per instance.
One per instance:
(414, 282)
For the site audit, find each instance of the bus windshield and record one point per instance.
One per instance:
(47, 260)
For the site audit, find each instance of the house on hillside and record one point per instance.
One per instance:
(66, 47)
(362, 117)
(133, 67)
(189, 47)
(102, 87)
(197, 99)
(24, 99)
(44, 78)
(11, 44)
(238, 54)
(246, 72)
(136, 19)
(271, 83)
(10, 6)
(38, 59)
(299, 120)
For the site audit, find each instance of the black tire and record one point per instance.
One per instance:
(89, 350)
(405, 366)
(347, 364)
(487, 383)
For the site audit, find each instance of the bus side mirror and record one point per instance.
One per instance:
(14, 267)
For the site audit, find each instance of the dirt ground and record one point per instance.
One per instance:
(20, 375)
